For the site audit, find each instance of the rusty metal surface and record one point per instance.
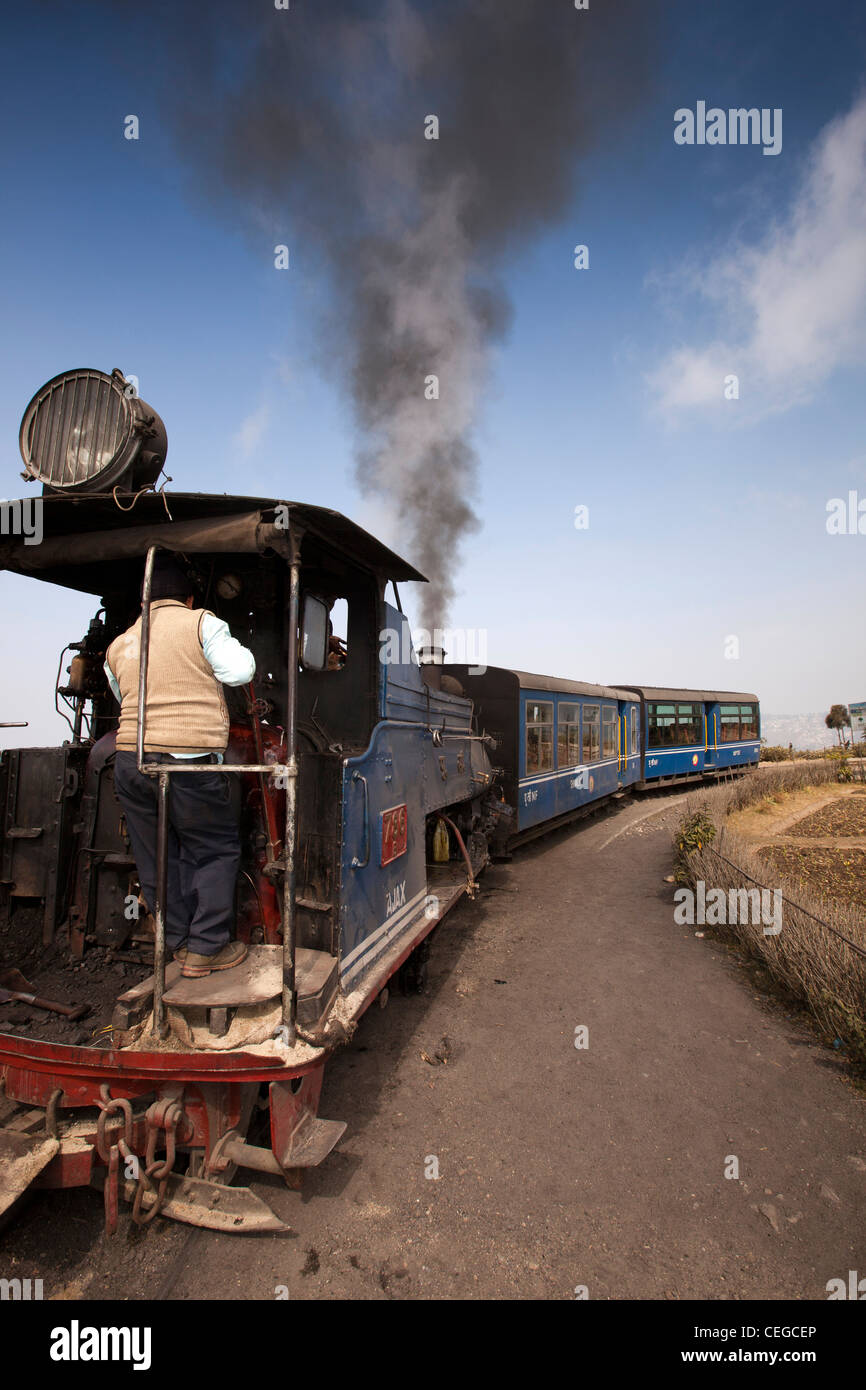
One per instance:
(198, 1202)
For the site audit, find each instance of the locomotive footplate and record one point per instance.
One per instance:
(256, 981)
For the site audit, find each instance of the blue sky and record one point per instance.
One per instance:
(706, 517)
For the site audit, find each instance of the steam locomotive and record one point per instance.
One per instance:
(371, 792)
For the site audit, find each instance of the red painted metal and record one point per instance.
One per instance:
(290, 1108)
(83, 1064)
(261, 906)
(71, 1167)
(395, 830)
(218, 1089)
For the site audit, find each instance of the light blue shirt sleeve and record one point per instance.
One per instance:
(115, 688)
(231, 662)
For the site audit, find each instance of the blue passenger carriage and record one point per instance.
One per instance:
(562, 745)
(696, 733)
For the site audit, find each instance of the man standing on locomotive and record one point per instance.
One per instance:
(192, 654)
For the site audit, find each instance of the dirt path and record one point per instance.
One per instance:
(771, 821)
(558, 1167)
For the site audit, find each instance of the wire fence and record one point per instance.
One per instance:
(789, 902)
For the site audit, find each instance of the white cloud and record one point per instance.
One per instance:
(795, 304)
(252, 430)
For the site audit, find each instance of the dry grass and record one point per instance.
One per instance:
(810, 963)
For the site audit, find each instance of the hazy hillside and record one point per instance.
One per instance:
(803, 730)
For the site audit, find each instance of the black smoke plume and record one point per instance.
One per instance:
(314, 118)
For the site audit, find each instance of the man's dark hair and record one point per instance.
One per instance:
(170, 580)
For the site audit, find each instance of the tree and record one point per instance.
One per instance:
(837, 719)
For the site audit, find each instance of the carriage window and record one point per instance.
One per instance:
(539, 736)
(633, 743)
(568, 736)
(608, 731)
(690, 724)
(662, 725)
(590, 733)
(730, 718)
(748, 721)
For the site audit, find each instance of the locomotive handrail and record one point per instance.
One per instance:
(426, 727)
(356, 862)
(289, 770)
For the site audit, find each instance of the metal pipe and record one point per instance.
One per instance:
(144, 652)
(252, 1156)
(289, 1012)
(273, 769)
(471, 885)
(159, 1025)
(269, 813)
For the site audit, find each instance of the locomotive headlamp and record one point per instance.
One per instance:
(86, 431)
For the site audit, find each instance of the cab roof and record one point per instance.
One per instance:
(83, 534)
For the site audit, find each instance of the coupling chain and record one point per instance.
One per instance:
(108, 1108)
(165, 1114)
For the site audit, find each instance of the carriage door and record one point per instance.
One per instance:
(711, 734)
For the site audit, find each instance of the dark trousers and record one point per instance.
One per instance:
(203, 849)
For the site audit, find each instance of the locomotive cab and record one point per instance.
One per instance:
(69, 875)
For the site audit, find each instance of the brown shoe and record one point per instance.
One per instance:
(195, 966)
(180, 953)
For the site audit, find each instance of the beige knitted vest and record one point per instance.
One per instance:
(185, 708)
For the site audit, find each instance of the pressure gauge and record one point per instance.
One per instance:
(229, 586)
